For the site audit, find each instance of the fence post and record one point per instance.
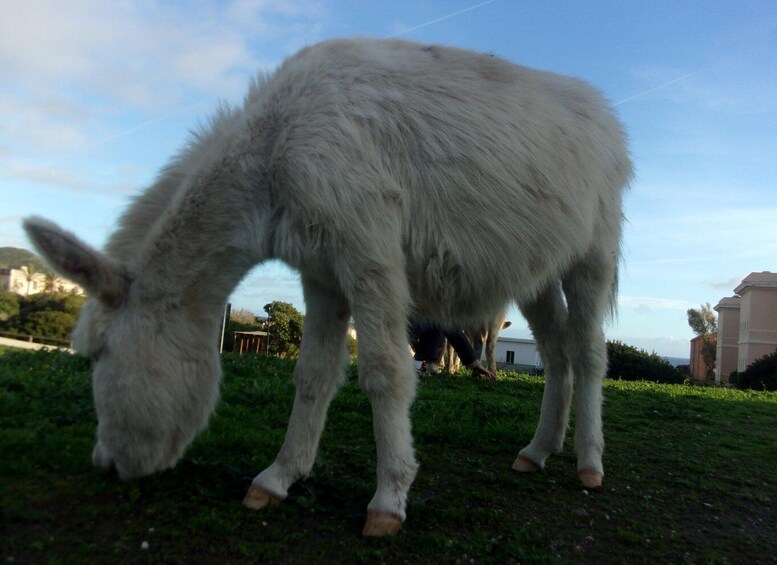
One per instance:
(224, 322)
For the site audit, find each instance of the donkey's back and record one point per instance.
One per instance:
(497, 176)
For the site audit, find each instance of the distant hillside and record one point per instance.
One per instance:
(16, 257)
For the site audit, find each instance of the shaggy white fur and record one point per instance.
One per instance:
(401, 180)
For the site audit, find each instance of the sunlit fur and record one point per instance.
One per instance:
(402, 181)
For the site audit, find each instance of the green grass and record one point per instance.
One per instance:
(691, 477)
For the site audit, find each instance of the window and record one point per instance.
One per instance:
(510, 357)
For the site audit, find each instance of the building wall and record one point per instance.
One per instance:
(698, 366)
(727, 354)
(524, 354)
(758, 318)
(15, 280)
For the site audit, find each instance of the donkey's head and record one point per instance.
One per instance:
(155, 370)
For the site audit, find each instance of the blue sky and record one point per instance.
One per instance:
(96, 96)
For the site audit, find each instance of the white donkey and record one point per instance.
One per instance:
(401, 181)
(485, 336)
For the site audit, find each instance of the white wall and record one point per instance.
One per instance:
(524, 351)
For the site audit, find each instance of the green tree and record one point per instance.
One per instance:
(49, 323)
(631, 364)
(284, 326)
(45, 315)
(51, 282)
(705, 325)
(29, 275)
(70, 303)
(9, 305)
(759, 375)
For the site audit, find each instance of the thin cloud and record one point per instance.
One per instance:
(139, 56)
(725, 284)
(644, 303)
(48, 124)
(51, 176)
(9, 232)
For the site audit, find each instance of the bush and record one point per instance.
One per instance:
(760, 375)
(9, 305)
(49, 323)
(284, 325)
(631, 364)
(45, 315)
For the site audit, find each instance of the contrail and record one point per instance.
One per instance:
(630, 98)
(451, 15)
(147, 123)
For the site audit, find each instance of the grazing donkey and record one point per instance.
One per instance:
(368, 166)
(485, 336)
(482, 335)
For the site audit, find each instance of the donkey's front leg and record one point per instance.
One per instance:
(391, 395)
(387, 377)
(389, 383)
(317, 374)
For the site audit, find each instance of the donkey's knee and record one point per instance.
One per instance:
(385, 376)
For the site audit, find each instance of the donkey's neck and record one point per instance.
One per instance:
(209, 234)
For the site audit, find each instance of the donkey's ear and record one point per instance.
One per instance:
(101, 276)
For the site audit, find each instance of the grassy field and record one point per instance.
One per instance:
(691, 477)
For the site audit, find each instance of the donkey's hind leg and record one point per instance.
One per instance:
(588, 287)
(547, 319)
(317, 374)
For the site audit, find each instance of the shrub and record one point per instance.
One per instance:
(284, 325)
(45, 315)
(760, 375)
(9, 304)
(49, 323)
(629, 363)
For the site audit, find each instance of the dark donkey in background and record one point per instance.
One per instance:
(369, 166)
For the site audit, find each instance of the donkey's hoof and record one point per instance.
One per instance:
(381, 524)
(257, 498)
(523, 464)
(592, 480)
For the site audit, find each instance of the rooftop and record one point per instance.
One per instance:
(764, 279)
(728, 302)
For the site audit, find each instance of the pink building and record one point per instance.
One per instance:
(727, 355)
(757, 317)
(698, 366)
(747, 324)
